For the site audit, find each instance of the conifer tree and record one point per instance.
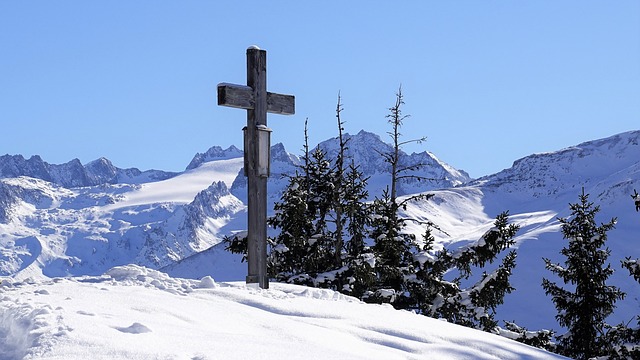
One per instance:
(296, 256)
(393, 251)
(351, 271)
(358, 276)
(475, 305)
(393, 247)
(356, 211)
(399, 171)
(320, 203)
(339, 192)
(323, 219)
(624, 340)
(583, 307)
(290, 248)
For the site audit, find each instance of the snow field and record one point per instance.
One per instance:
(183, 188)
(137, 313)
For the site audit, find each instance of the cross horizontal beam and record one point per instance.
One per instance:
(242, 97)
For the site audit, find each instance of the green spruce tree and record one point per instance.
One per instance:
(320, 202)
(393, 251)
(358, 276)
(475, 305)
(584, 306)
(290, 249)
(351, 271)
(339, 189)
(299, 252)
(623, 339)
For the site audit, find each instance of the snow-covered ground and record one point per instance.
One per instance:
(133, 312)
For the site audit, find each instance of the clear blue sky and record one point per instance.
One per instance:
(487, 82)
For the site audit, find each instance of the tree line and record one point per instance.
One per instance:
(331, 236)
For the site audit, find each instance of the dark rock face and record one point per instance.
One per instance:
(7, 200)
(17, 165)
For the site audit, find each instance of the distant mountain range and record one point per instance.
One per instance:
(74, 174)
(75, 219)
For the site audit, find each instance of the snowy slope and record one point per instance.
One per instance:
(137, 313)
(535, 191)
(183, 188)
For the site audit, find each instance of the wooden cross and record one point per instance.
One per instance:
(258, 102)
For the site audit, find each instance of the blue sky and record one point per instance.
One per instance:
(487, 82)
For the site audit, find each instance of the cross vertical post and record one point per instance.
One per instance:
(257, 185)
(257, 101)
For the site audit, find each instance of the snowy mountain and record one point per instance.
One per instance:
(50, 229)
(611, 160)
(537, 190)
(50, 226)
(364, 150)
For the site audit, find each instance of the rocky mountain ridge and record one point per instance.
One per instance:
(73, 174)
(606, 168)
(74, 219)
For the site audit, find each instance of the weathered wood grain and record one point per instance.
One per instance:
(242, 97)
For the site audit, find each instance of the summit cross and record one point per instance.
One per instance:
(255, 98)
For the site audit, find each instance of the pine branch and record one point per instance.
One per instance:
(418, 141)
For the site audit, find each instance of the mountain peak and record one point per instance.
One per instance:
(365, 149)
(367, 135)
(214, 153)
(102, 161)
